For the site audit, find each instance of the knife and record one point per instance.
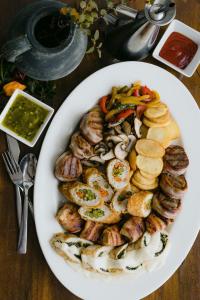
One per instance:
(13, 147)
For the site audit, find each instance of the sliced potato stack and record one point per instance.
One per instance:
(157, 116)
(164, 135)
(149, 163)
(162, 127)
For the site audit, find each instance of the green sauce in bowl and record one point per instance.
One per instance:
(25, 117)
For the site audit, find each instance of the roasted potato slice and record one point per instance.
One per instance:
(152, 124)
(149, 148)
(149, 165)
(173, 130)
(143, 180)
(155, 112)
(164, 135)
(145, 187)
(132, 159)
(147, 175)
(160, 120)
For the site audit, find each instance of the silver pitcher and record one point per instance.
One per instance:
(134, 38)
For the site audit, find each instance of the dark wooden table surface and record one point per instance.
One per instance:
(29, 277)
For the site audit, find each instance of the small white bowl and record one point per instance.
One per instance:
(188, 32)
(31, 98)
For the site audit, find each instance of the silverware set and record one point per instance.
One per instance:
(22, 175)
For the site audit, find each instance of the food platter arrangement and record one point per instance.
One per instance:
(122, 176)
(117, 178)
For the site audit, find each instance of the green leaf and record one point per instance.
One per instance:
(82, 18)
(96, 35)
(93, 4)
(99, 53)
(83, 4)
(90, 50)
(87, 31)
(103, 12)
(99, 46)
(94, 14)
(87, 24)
(110, 4)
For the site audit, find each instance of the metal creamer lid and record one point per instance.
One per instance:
(161, 12)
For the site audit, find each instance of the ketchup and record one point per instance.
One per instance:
(179, 50)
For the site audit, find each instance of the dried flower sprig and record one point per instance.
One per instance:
(87, 14)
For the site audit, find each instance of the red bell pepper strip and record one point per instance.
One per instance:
(102, 104)
(146, 91)
(124, 114)
(136, 93)
(140, 110)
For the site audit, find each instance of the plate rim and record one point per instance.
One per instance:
(195, 232)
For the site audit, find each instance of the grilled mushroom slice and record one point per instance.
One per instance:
(133, 229)
(92, 231)
(111, 236)
(68, 167)
(69, 218)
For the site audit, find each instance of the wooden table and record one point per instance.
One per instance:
(29, 277)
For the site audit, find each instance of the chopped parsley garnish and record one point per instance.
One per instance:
(145, 241)
(124, 196)
(164, 239)
(121, 254)
(133, 268)
(78, 256)
(104, 270)
(78, 244)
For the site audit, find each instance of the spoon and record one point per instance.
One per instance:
(30, 205)
(28, 165)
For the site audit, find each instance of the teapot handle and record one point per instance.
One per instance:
(15, 47)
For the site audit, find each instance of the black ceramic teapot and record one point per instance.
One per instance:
(40, 57)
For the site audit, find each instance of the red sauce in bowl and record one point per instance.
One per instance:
(179, 50)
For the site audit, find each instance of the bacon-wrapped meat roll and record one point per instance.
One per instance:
(133, 229)
(166, 206)
(68, 167)
(173, 186)
(175, 160)
(92, 231)
(80, 147)
(69, 218)
(111, 236)
(154, 223)
(92, 126)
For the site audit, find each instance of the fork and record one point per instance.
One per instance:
(13, 169)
